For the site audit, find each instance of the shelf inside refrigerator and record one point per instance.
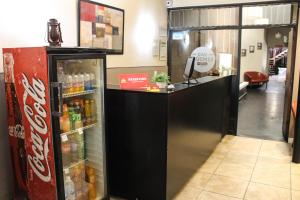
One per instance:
(79, 130)
(77, 94)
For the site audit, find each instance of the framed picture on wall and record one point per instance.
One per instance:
(259, 46)
(100, 26)
(244, 52)
(251, 48)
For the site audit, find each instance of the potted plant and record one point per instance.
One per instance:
(161, 79)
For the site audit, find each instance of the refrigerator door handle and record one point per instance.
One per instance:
(59, 87)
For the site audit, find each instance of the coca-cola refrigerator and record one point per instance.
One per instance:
(55, 100)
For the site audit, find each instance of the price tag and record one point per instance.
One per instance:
(80, 131)
(64, 138)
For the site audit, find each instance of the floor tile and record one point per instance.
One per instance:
(277, 164)
(218, 155)
(296, 182)
(247, 145)
(240, 158)
(270, 176)
(210, 165)
(257, 191)
(295, 168)
(227, 186)
(188, 193)
(295, 195)
(275, 149)
(235, 170)
(213, 196)
(199, 180)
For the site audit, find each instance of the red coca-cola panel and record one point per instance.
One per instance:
(29, 121)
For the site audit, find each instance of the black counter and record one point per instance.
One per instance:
(157, 140)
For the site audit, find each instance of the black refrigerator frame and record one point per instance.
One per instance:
(54, 54)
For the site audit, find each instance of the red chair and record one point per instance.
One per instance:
(256, 78)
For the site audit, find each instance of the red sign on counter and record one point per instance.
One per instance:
(134, 81)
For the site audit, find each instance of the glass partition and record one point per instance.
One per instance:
(204, 17)
(269, 14)
(223, 44)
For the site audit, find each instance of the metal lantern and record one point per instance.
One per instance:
(54, 33)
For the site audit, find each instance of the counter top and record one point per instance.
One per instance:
(178, 86)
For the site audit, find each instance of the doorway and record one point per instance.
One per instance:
(261, 112)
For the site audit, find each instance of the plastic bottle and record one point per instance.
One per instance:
(69, 189)
(93, 81)
(80, 140)
(69, 84)
(87, 111)
(65, 120)
(61, 77)
(87, 82)
(74, 148)
(93, 111)
(76, 83)
(83, 118)
(72, 115)
(77, 110)
(81, 82)
(66, 153)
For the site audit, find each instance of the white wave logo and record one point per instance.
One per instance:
(38, 127)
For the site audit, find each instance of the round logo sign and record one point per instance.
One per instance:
(204, 59)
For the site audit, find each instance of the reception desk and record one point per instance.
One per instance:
(157, 140)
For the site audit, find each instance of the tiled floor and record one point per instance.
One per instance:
(248, 169)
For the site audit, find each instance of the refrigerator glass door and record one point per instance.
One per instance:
(82, 127)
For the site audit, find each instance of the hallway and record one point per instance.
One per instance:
(245, 168)
(261, 112)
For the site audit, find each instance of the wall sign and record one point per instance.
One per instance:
(134, 81)
(205, 59)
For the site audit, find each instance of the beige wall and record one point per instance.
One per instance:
(256, 61)
(23, 24)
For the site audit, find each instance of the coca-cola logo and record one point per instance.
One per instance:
(36, 115)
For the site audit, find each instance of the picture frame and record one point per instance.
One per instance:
(251, 49)
(259, 46)
(244, 52)
(101, 26)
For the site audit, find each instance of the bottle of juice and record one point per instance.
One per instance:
(65, 120)
(87, 81)
(93, 111)
(81, 82)
(72, 115)
(61, 76)
(66, 153)
(87, 111)
(76, 83)
(77, 110)
(69, 85)
(83, 118)
(93, 80)
(80, 140)
(74, 148)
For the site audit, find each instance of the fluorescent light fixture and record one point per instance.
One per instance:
(145, 32)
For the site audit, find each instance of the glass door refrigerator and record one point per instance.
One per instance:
(55, 100)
